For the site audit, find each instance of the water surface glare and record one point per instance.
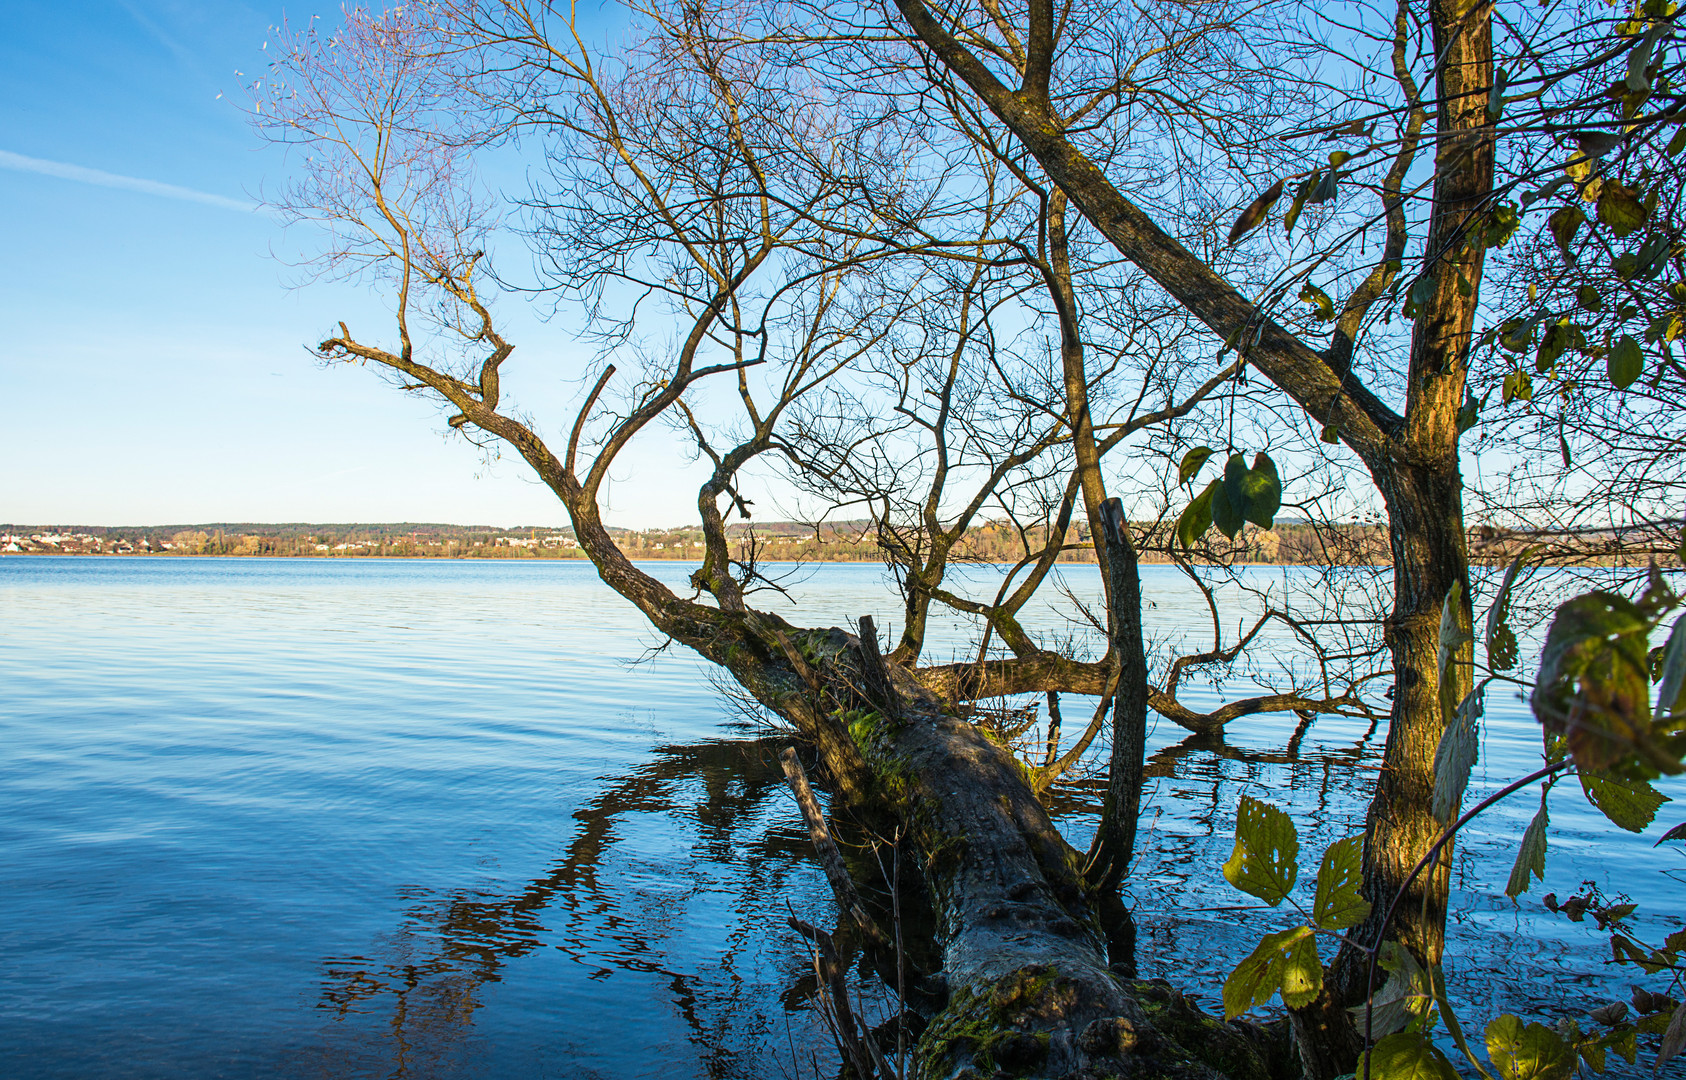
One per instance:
(425, 819)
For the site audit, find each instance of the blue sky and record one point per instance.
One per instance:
(154, 367)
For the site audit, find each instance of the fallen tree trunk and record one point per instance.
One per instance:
(1029, 989)
(1024, 960)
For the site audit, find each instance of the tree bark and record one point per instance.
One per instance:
(1115, 838)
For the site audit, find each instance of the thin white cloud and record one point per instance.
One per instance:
(20, 163)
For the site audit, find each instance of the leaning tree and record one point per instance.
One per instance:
(890, 304)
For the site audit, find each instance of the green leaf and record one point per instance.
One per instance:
(1640, 58)
(1501, 640)
(1673, 673)
(1630, 804)
(1625, 1043)
(1496, 95)
(1469, 413)
(1192, 462)
(1301, 194)
(1594, 689)
(1408, 1055)
(1267, 849)
(1286, 961)
(1530, 856)
(1501, 648)
(1619, 208)
(1196, 517)
(1453, 637)
(1589, 299)
(1563, 224)
(1324, 307)
(1403, 1001)
(1534, 1052)
(1559, 338)
(1339, 904)
(1420, 293)
(1674, 1038)
(1261, 490)
(1252, 217)
(1626, 363)
(1226, 515)
(1455, 757)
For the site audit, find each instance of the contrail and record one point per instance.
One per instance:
(18, 162)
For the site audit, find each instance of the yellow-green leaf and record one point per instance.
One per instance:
(1534, 1052)
(1196, 517)
(1265, 862)
(1408, 1055)
(1630, 804)
(1626, 362)
(1563, 224)
(1285, 962)
(1340, 904)
(1192, 462)
(1323, 307)
(1619, 208)
(1530, 856)
(1301, 194)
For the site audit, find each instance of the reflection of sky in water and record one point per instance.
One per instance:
(386, 818)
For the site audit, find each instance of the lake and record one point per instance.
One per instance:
(294, 818)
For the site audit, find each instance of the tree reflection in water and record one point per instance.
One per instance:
(720, 821)
(708, 832)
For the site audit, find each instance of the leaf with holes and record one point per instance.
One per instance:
(1285, 962)
(1267, 849)
(1323, 308)
(1501, 640)
(1340, 903)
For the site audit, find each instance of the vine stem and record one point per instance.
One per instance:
(1422, 864)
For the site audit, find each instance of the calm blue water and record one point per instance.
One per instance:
(425, 819)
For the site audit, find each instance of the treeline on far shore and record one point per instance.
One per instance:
(1290, 543)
